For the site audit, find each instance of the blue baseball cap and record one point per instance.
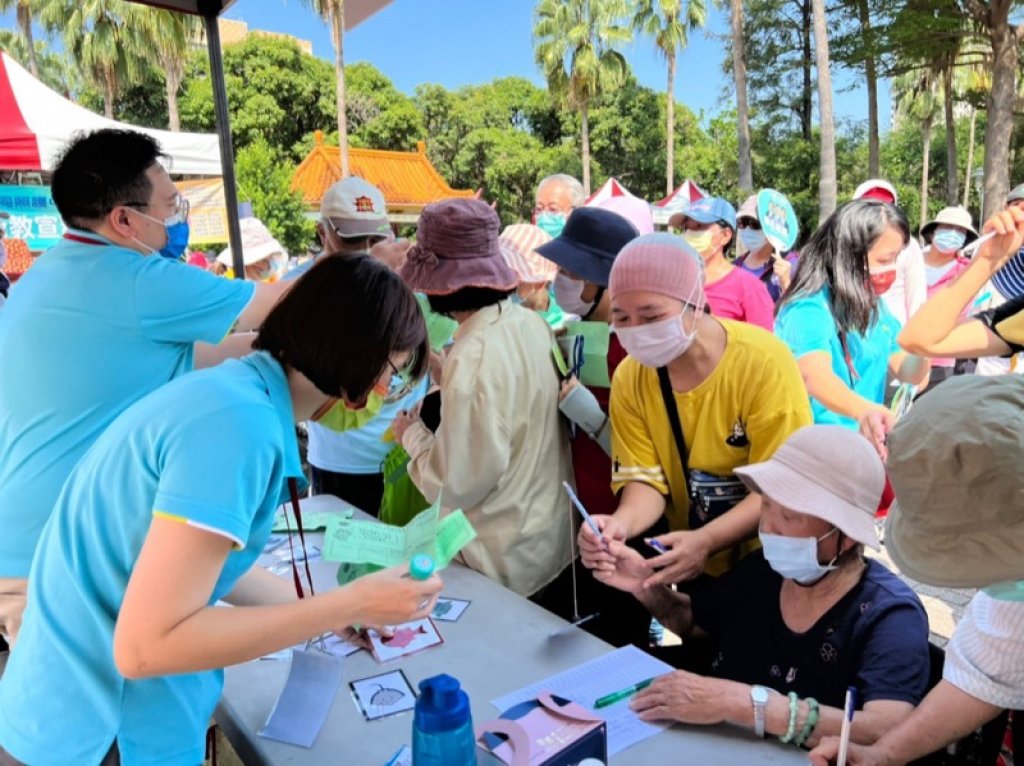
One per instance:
(708, 210)
(588, 244)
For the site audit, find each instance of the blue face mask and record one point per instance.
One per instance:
(753, 239)
(177, 235)
(177, 241)
(949, 240)
(551, 223)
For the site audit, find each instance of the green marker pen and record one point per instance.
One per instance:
(611, 699)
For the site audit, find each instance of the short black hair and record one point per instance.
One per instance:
(342, 321)
(100, 170)
(466, 299)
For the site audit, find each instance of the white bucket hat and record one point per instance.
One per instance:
(257, 243)
(955, 466)
(951, 216)
(830, 472)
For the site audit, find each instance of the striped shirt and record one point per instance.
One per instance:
(985, 657)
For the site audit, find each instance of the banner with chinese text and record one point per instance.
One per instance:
(33, 216)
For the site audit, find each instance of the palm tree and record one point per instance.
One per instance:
(871, 79)
(105, 37)
(739, 74)
(169, 35)
(574, 44)
(918, 100)
(24, 15)
(333, 12)
(664, 21)
(827, 183)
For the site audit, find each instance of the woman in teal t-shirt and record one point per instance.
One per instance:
(843, 337)
(119, 658)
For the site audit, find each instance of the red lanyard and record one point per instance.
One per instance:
(84, 240)
(293, 490)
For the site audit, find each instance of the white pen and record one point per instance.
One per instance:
(844, 734)
(973, 247)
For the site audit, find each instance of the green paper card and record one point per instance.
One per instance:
(311, 522)
(381, 545)
(596, 336)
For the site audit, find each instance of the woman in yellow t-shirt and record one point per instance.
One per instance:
(734, 390)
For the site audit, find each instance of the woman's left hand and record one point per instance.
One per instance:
(403, 420)
(685, 697)
(686, 558)
(783, 270)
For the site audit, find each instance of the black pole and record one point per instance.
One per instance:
(210, 9)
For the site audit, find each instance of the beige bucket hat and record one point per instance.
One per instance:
(952, 216)
(955, 462)
(830, 472)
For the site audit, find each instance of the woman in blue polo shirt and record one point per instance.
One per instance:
(121, 648)
(843, 336)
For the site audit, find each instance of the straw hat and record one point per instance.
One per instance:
(519, 243)
(955, 465)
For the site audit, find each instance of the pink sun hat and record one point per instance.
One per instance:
(633, 209)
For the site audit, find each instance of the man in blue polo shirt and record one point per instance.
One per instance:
(101, 320)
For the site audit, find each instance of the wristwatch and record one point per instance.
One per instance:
(759, 696)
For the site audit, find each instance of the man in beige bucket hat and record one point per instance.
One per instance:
(955, 463)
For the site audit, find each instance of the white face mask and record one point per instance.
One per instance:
(569, 295)
(658, 343)
(796, 558)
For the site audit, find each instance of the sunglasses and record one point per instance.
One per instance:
(749, 223)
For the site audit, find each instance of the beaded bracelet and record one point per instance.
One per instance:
(810, 723)
(794, 708)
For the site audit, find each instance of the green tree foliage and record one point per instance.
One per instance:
(105, 38)
(275, 92)
(264, 178)
(576, 47)
(379, 115)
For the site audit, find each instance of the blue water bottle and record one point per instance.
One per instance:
(442, 728)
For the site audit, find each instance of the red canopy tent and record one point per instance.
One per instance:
(611, 188)
(36, 123)
(687, 192)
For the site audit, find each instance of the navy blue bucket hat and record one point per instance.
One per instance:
(588, 244)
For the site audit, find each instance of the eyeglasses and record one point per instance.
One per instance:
(181, 208)
(402, 381)
(748, 223)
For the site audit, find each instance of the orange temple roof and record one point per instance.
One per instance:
(407, 179)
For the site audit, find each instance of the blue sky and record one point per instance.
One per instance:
(461, 42)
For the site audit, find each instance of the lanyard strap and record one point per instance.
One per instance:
(677, 427)
(293, 490)
(84, 240)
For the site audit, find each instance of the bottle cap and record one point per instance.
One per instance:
(421, 567)
(441, 706)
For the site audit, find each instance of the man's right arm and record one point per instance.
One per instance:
(263, 300)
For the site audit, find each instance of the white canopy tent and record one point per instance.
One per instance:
(38, 122)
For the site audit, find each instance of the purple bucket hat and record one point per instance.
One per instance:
(456, 247)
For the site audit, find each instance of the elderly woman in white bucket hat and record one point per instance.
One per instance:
(264, 257)
(798, 622)
(955, 463)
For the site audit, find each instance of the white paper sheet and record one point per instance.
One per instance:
(592, 680)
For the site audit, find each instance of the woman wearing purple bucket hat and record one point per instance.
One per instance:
(500, 452)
